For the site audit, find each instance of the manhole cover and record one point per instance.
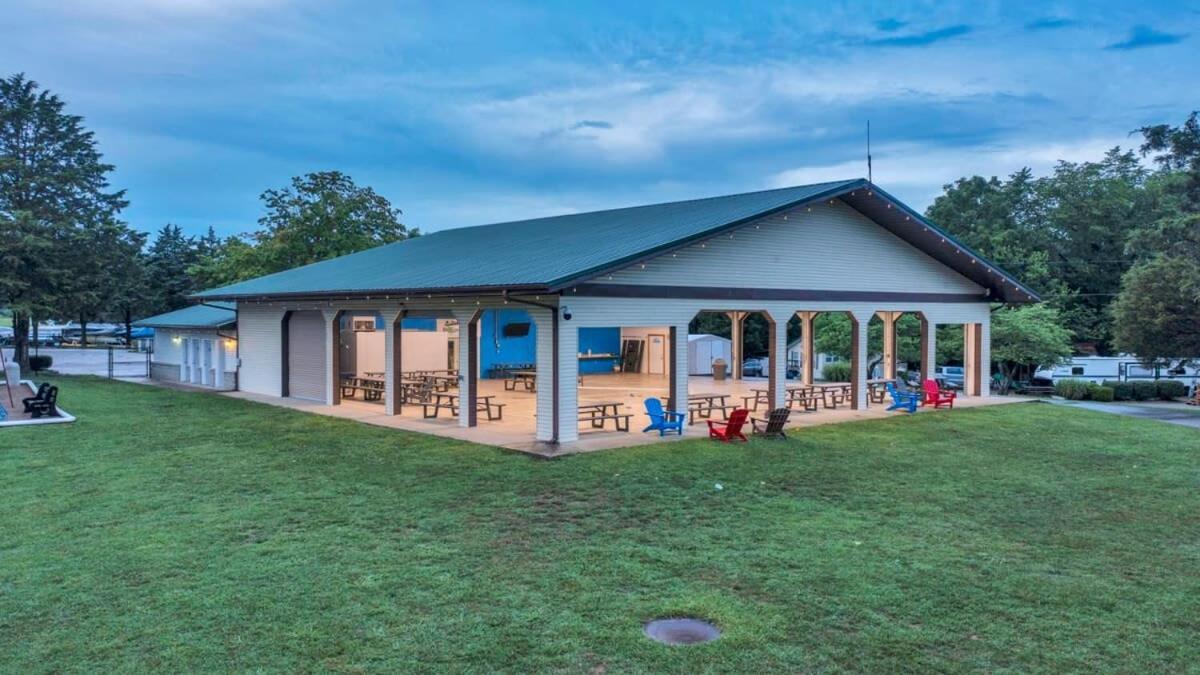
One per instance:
(681, 631)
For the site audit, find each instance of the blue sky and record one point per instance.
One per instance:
(464, 114)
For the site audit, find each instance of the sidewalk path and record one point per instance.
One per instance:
(1172, 413)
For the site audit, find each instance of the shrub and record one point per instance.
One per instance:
(40, 362)
(1171, 389)
(838, 371)
(1122, 391)
(1144, 391)
(1101, 393)
(1073, 390)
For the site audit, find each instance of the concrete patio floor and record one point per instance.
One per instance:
(516, 430)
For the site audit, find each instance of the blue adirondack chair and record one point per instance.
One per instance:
(661, 420)
(903, 400)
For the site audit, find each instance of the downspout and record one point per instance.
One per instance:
(554, 355)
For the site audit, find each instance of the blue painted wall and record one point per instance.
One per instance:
(495, 349)
(600, 341)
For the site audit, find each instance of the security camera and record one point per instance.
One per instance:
(566, 312)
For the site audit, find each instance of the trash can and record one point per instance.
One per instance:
(719, 367)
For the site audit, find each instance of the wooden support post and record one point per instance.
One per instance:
(889, 343)
(773, 353)
(927, 348)
(737, 342)
(808, 358)
(393, 362)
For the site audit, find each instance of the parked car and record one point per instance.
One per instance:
(951, 377)
(756, 367)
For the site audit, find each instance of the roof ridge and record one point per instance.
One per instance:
(632, 207)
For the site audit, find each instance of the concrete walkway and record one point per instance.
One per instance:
(1163, 411)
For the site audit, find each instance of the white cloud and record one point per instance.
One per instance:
(918, 173)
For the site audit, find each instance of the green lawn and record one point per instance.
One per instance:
(179, 531)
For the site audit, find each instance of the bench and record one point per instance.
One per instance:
(443, 401)
(372, 390)
(597, 419)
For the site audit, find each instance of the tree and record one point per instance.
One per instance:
(323, 215)
(168, 260)
(1026, 338)
(1157, 314)
(52, 183)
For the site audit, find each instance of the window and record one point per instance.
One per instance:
(366, 325)
(1076, 370)
(515, 329)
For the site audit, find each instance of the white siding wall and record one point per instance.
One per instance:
(833, 247)
(260, 341)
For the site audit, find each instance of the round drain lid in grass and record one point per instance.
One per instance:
(681, 631)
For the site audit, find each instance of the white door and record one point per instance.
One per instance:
(197, 371)
(657, 348)
(208, 362)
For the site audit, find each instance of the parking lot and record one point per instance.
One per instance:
(92, 361)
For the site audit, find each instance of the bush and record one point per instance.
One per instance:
(1122, 391)
(1101, 393)
(1171, 389)
(1072, 390)
(40, 362)
(1145, 391)
(838, 371)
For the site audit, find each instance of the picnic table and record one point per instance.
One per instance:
(524, 378)
(877, 390)
(372, 389)
(441, 400)
(799, 394)
(833, 394)
(703, 405)
(597, 413)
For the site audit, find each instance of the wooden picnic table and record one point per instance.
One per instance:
(794, 394)
(877, 389)
(525, 378)
(596, 414)
(441, 400)
(703, 405)
(372, 389)
(833, 393)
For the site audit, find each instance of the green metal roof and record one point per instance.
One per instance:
(542, 252)
(211, 315)
(551, 253)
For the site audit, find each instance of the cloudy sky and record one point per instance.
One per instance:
(466, 114)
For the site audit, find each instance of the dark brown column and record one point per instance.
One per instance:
(393, 386)
(672, 388)
(926, 366)
(854, 360)
(335, 367)
(469, 405)
(284, 351)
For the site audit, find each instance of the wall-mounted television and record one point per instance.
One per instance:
(515, 329)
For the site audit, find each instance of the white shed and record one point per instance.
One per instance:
(703, 349)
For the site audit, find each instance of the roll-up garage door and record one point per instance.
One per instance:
(306, 356)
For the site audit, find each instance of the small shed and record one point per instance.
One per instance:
(703, 349)
(195, 345)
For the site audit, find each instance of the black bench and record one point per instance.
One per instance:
(43, 403)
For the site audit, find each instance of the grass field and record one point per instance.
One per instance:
(177, 531)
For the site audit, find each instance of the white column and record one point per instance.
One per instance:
(543, 322)
(568, 381)
(860, 363)
(464, 316)
(219, 358)
(390, 366)
(184, 355)
(930, 355)
(331, 356)
(778, 364)
(679, 368)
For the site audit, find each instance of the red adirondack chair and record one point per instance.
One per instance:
(935, 396)
(730, 429)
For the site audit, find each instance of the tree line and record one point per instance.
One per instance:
(65, 252)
